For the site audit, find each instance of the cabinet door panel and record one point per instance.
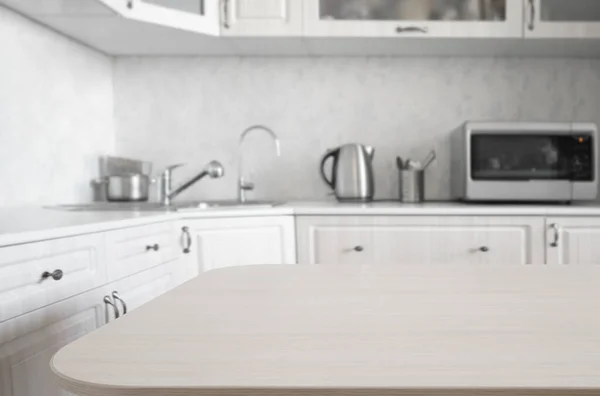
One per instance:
(243, 241)
(413, 18)
(198, 16)
(22, 287)
(141, 288)
(135, 249)
(420, 240)
(263, 18)
(27, 343)
(563, 19)
(573, 241)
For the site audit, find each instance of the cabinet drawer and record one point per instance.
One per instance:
(132, 250)
(22, 288)
(421, 240)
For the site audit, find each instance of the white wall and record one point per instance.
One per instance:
(56, 114)
(192, 110)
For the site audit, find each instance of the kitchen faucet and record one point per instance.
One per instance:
(244, 185)
(214, 169)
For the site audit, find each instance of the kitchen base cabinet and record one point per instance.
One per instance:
(28, 342)
(141, 288)
(420, 240)
(229, 242)
(573, 241)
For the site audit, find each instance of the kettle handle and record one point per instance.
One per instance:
(330, 154)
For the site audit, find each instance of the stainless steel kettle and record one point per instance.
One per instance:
(352, 172)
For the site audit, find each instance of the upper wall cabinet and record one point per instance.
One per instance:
(261, 17)
(200, 16)
(413, 18)
(563, 18)
(217, 17)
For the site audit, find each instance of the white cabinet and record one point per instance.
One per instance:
(231, 242)
(137, 290)
(28, 342)
(562, 19)
(413, 18)
(573, 241)
(37, 274)
(420, 240)
(249, 18)
(135, 249)
(198, 16)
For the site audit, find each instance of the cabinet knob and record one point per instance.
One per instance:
(358, 249)
(484, 249)
(154, 247)
(56, 275)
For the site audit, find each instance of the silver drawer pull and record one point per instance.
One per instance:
(556, 230)
(484, 249)
(154, 247)
(56, 275)
(116, 296)
(531, 24)
(108, 301)
(359, 249)
(411, 29)
(187, 240)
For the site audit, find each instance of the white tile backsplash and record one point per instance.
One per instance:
(192, 110)
(56, 114)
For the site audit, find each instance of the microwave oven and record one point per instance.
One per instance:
(524, 161)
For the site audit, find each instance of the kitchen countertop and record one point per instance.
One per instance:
(358, 330)
(28, 224)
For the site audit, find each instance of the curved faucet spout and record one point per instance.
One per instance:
(266, 129)
(244, 185)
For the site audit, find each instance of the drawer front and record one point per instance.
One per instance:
(132, 250)
(462, 240)
(22, 286)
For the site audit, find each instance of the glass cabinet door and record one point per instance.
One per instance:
(199, 16)
(563, 18)
(390, 18)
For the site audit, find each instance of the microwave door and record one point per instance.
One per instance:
(525, 167)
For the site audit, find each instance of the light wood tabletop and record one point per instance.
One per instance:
(352, 330)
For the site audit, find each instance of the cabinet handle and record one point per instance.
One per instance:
(154, 247)
(130, 4)
(531, 24)
(556, 230)
(56, 275)
(225, 10)
(107, 302)
(116, 296)
(484, 249)
(411, 29)
(187, 240)
(358, 249)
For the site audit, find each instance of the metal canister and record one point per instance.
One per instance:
(412, 185)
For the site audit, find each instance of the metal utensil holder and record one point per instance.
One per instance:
(412, 185)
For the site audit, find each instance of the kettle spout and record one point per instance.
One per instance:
(370, 150)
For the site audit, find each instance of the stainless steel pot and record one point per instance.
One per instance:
(128, 188)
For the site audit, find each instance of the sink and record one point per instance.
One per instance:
(156, 207)
(229, 204)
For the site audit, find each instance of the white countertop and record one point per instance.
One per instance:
(28, 224)
(358, 330)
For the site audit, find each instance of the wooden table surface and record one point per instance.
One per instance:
(325, 330)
